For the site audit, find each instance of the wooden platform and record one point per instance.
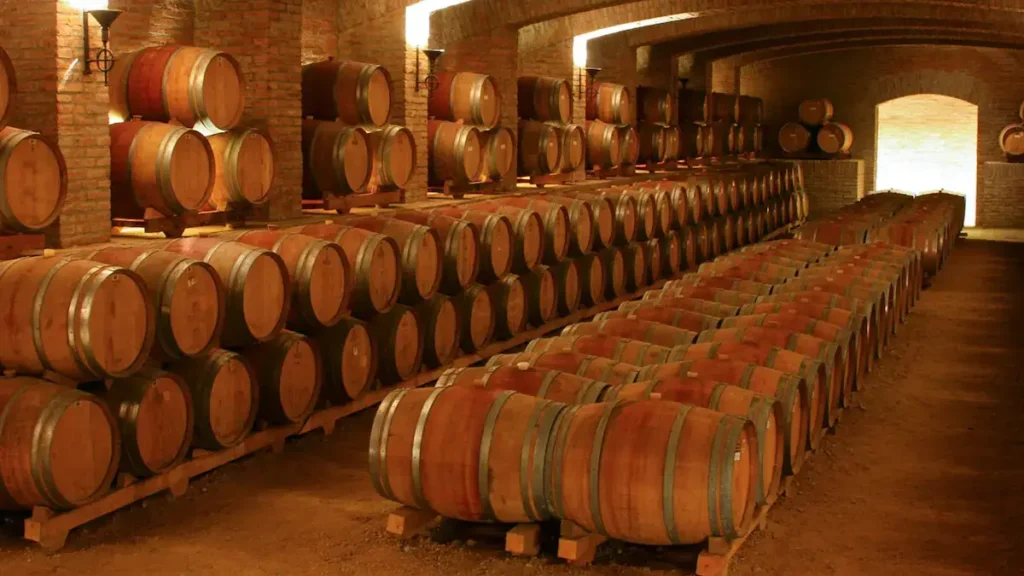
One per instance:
(623, 171)
(666, 166)
(174, 226)
(520, 540)
(344, 204)
(18, 245)
(541, 181)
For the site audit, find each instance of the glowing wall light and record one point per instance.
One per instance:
(417, 20)
(579, 43)
(86, 5)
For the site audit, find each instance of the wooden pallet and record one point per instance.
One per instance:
(152, 222)
(17, 245)
(344, 204)
(543, 180)
(666, 166)
(623, 171)
(520, 540)
(458, 190)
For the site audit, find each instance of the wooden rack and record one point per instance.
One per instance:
(174, 226)
(458, 190)
(666, 166)
(17, 245)
(543, 180)
(623, 170)
(344, 204)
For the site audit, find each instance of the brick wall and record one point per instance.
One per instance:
(1002, 206)
(319, 30)
(832, 184)
(152, 23)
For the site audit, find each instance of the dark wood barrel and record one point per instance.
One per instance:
(455, 152)
(634, 266)
(256, 285)
(187, 296)
(466, 96)
(749, 110)
(442, 331)
(335, 159)
(688, 245)
(587, 366)
(349, 356)
(625, 350)
(835, 138)
(508, 296)
(558, 231)
(246, 164)
(290, 374)
(547, 384)
(693, 322)
(604, 149)
(693, 304)
(721, 107)
(476, 313)
(154, 415)
(459, 451)
(693, 106)
(393, 152)
(61, 447)
(460, 242)
(541, 295)
(199, 88)
(654, 105)
(546, 99)
(633, 329)
(35, 181)
(673, 142)
(540, 148)
(499, 146)
(719, 140)
(167, 168)
(583, 222)
(1011, 139)
(629, 145)
(652, 259)
(593, 278)
(8, 88)
(399, 341)
(620, 209)
(672, 254)
(574, 146)
(610, 103)
(692, 139)
(815, 112)
(653, 147)
(421, 249)
(497, 238)
(352, 92)
(645, 218)
(569, 286)
(321, 279)
(225, 395)
(614, 264)
(84, 320)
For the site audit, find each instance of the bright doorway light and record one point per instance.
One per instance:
(417, 20)
(928, 142)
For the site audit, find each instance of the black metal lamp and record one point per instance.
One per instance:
(104, 59)
(430, 82)
(590, 93)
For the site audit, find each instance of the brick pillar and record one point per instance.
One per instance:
(266, 38)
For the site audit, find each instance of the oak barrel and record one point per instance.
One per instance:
(509, 298)
(794, 137)
(815, 112)
(289, 372)
(225, 395)
(634, 266)
(692, 139)
(749, 110)
(558, 232)
(540, 148)
(476, 314)
(655, 105)
(597, 368)
(653, 146)
(442, 330)
(604, 149)
(720, 107)
(460, 243)
(349, 356)
(8, 88)
(1011, 139)
(616, 217)
(496, 239)
(574, 146)
(154, 415)
(499, 152)
(625, 350)
(528, 234)
(393, 152)
(633, 329)
(399, 341)
(547, 384)
(835, 138)
(352, 92)
(546, 99)
(673, 317)
(245, 166)
(629, 145)
(693, 106)
(693, 304)
(455, 152)
(593, 277)
(583, 222)
(614, 264)
(336, 159)
(541, 295)
(568, 286)
(472, 98)
(610, 103)
(33, 176)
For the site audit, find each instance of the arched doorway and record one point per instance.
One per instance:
(928, 142)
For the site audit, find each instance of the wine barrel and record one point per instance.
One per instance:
(692, 139)
(225, 396)
(509, 298)
(757, 139)
(167, 168)
(476, 313)
(693, 106)
(546, 99)
(558, 235)
(256, 284)
(629, 145)
(625, 350)
(186, 294)
(154, 416)
(199, 88)
(541, 295)
(441, 330)
(454, 151)
(245, 166)
(691, 322)
(615, 272)
(1011, 139)
(499, 153)
(620, 208)
(460, 240)
(661, 202)
(610, 103)
(653, 147)
(633, 329)
(604, 149)
(719, 140)
(583, 222)
(670, 248)
(349, 356)
(80, 319)
(749, 110)
(673, 143)
(352, 92)
(321, 279)
(688, 244)
(393, 149)
(335, 159)
(472, 98)
(61, 447)
(35, 181)
(715, 281)
(652, 260)
(720, 107)
(700, 305)
(496, 240)
(592, 274)
(794, 137)
(655, 105)
(399, 341)
(547, 384)
(540, 148)
(459, 451)
(610, 482)
(8, 88)
(375, 262)
(289, 372)
(815, 112)
(568, 286)
(574, 146)
(421, 251)
(646, 217)
(835, 138)
(597, 368)
(765, 412)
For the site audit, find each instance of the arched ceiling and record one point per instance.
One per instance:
(756, 56)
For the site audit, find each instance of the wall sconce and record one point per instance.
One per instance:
(104, 59)
(681, 83)
(590, 93)
(431, 81)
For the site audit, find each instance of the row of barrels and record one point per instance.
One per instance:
(830, 138)
(548, 99)
(720, 139)
(465, 142)
(698, 106)
(1011, 137)
(729, 396)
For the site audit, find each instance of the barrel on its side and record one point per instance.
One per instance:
(246, 164)
(393, 150)
(544, 98)
(835, 138)
(455, 152)
(603, 145)
(289, 372)
(335, 159)
(540, 148)
(352, 92)
(349, 356)
(442, 330)
(816, 111)
(225, 394)
(35, 177)
(154, 413)
(466, 96)
(399, 341)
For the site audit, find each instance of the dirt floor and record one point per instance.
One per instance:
(925, 477)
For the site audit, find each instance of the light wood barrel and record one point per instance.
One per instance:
(635, 266)
(611, 103)
(246, 164)
(186, 294)
(170, 169)
(511, 311)
(835, 138)
(154, 415)
(460, 242)
(794, 137)
(290, 374)
(653, 147)
(719, 140)
(815, 112)
(476, 313)
(693, 304)
(81, 319)
(455, 152)
(629, 144)
(569, 286)
(614, 264)
(689, 321)
(496, 240)
(661, 202)
(652, 259)
(499, 146)
(442, 330)
(672, 253)
(393, 149)
(399, 339)
(593, 277)
(574, 146)
(558, 232)
(256, 284)
(472, 98)
(583, 222)
(604, 148)
(546, 99)
(528, 235)
(540, 148)
(541, 295)
(655, 105)
(225, 395)
(633, 329)
(1011, 139)
(8, 88)
(673, 142)
(352, 92)
(644, 210)
(33, 177)
(349, 356)
(321, 279)
(620, 210)
(466, 453)
(61, 447)
(547, 384)
(594, 367)
(335, 159)
(625, 350)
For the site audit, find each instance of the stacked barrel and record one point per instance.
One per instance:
(816, 131)
(348, 145)
(176, 147)
(1011, 138)
(659, 139)
(612, 138)
(549, 143)
(718, 125)
(35, 181)
(466, 142)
